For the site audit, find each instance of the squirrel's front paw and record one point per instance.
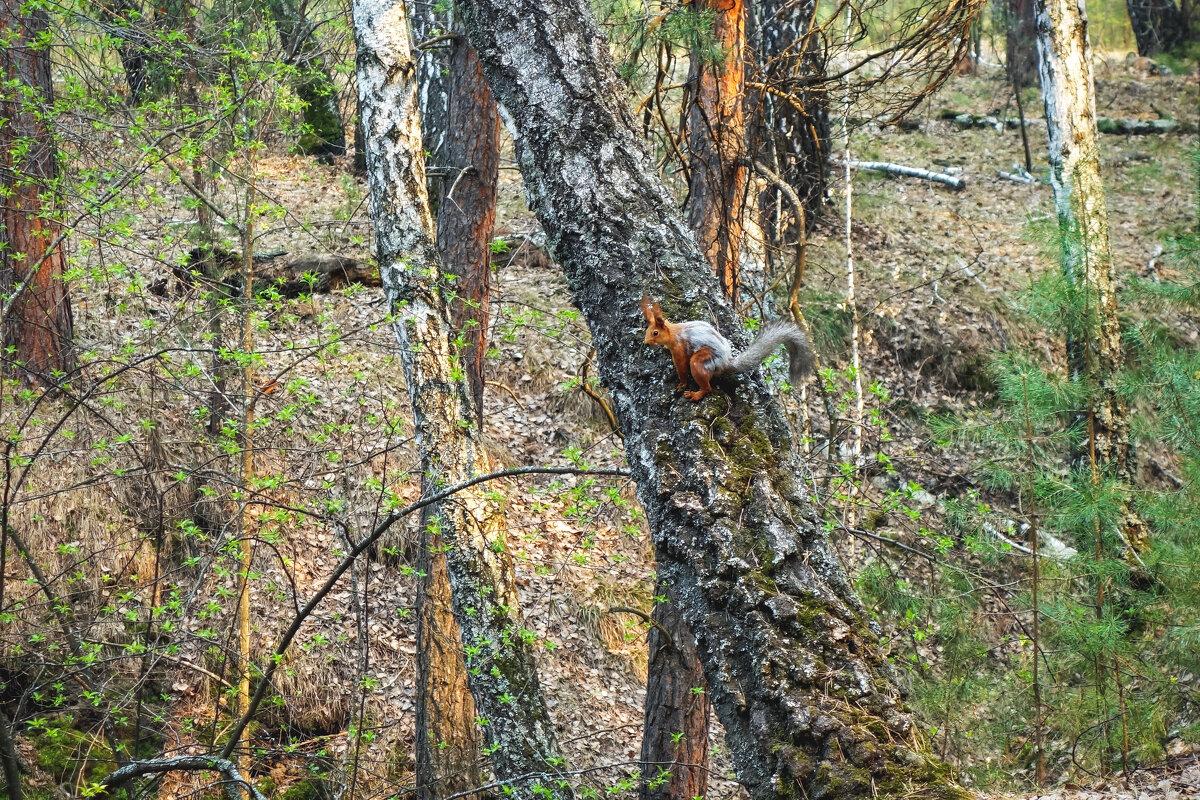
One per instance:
(681, 388)
(694, 396)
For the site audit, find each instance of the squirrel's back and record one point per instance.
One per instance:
(698, 335)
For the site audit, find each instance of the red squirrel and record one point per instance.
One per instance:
(699, 350)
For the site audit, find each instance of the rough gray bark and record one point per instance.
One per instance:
(1093, 347)
(502, 673)
(790, 134)
(793, 668)
(1158, 25)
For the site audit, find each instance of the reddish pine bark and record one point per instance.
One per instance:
(448, 741)
(674, 707)
(38, 322)
(716, 138)
(467, 207)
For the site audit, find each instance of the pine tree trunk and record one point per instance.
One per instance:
(717, 141)
(677, 709)
(447, 740)
(1094, 353)
(467, 211)
(1021, 53)
(794, 670)
(38, 322)
(1158, 25)
(790, 134)
(502, 673)
(460, 129)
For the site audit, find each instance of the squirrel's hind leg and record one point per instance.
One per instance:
(700, 373)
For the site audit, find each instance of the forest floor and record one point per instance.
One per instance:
(939, 273)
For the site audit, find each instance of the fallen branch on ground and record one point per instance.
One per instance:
(155, 766)
(909, 172)
(1111, 125)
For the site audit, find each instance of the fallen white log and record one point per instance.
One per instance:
(1016, 178)
(910, 172)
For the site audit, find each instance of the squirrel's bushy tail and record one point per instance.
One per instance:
(778, 333)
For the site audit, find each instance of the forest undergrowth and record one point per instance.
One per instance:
(940, 555)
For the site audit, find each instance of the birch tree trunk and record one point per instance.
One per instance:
(1094, 346)
(794, 670)
(717, 141)
(502, 673)
(790, 133)
(37, 319)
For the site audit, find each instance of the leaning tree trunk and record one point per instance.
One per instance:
(1020, 42)
(324, 134)
(1094, 345)
(794, 670)
(502, 673)
(37, 322)
(1158, 25)
(717, 175)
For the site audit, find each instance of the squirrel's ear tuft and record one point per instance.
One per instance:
(648, 308)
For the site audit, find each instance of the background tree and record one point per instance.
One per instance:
(1158, 25)
(37, 320)
(1020, 38)
(324, 133)
(675, 734)
(717, 137)
(790, 126)
(1094, 338)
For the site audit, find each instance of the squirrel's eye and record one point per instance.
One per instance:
(655, 333)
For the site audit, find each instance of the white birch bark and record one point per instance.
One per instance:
(502, 673)
(1094, 345)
